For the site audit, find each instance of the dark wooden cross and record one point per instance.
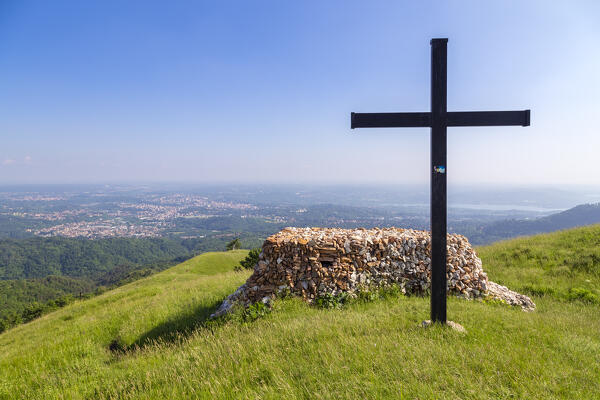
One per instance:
(438, 119)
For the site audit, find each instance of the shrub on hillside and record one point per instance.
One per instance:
(584, 295)
(251, 259)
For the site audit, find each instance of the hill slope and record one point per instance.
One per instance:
(162, 346)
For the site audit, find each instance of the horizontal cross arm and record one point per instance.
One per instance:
(453, 118)
(390, 120)
(488, 118)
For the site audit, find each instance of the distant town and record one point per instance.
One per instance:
(99, 215)
(197, 212)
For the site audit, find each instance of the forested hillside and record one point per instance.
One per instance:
(16, 295)
(81, 258)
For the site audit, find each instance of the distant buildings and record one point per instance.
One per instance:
(150, 216)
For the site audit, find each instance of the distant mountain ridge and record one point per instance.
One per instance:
(584, 214)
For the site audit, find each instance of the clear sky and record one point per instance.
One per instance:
(261, 91)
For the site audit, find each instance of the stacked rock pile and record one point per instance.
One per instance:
(313, 262)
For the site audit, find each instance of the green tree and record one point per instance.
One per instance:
(234, 244)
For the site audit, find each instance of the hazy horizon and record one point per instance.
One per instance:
(486, 196)
(262, 92)
(159, 183)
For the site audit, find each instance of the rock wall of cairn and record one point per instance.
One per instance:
(313, 262)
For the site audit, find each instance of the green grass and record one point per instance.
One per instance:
(564, 265)
(164, 348)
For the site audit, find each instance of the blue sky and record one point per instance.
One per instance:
(261, 91)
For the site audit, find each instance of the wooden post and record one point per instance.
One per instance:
(438, 179)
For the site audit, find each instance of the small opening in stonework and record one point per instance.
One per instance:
(326, 264)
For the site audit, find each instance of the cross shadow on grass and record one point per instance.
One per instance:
(173, 330)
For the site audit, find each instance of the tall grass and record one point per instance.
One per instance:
(564, 264)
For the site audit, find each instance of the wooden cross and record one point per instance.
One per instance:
(438, 119)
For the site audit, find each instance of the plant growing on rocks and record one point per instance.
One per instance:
(251, 259)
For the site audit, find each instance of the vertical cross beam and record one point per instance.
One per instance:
(438, 179)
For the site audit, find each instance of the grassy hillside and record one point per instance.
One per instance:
(564, 264)
(162, 346)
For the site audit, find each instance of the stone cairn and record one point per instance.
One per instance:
(314, 262)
